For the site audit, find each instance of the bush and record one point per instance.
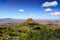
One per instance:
(57, 33)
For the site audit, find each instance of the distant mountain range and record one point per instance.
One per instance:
(10, 21)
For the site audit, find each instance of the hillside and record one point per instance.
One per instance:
(29, 29)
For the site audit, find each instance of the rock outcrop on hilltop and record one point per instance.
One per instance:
(31, 24)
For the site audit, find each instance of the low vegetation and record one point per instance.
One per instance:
(29, 30)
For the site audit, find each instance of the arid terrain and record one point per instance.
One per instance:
(9, 21)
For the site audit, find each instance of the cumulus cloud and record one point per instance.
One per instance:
(55, 13)
(48, 10)
(48, 4)
(21, 10)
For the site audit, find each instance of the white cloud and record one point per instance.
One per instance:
(55, 13)
(31, 14)
(21, 10)
(48, 10)
(48, 4)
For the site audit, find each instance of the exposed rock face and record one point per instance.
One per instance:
(30, 20)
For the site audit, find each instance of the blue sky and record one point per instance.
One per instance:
(36, 9)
